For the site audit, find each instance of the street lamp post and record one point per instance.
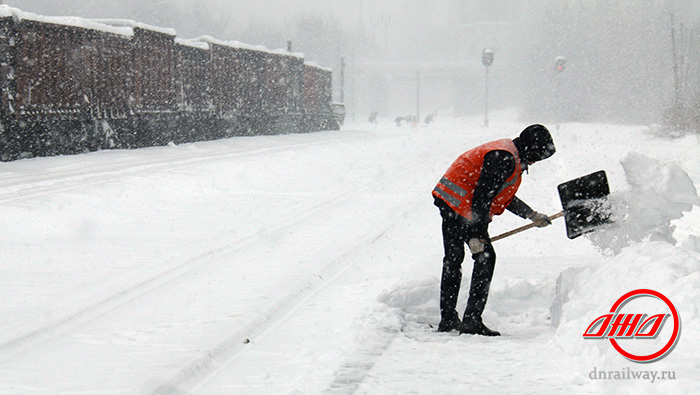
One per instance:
(417, 97)
(559, 66)
(487, 60)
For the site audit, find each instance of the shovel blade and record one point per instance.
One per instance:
(585, 203)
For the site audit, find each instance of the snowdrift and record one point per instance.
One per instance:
(644, 256)
(659, 193)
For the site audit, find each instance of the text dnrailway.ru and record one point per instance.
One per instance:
(632, 374)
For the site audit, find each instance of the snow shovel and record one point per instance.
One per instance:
(585, 203)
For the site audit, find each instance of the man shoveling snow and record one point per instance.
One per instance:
(482, 183)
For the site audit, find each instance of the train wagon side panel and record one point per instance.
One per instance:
(154, 71)
(252, 72)
(8, 92)
(48, 68)
(276, 93)
(224, 62)
(237, 81)
(193, 82)
(317, 90)
(107, 75)
(295, 74)
(317, 98)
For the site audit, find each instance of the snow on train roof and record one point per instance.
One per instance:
(238, 44)
(317, 66)
(17, 14)
(125, 27)
(192, 43)
(133, 25)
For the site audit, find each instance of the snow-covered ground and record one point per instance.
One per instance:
(309, 263)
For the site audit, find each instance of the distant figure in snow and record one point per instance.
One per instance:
(430, 118)
(482, 183)
(398, 121)
(373, 117)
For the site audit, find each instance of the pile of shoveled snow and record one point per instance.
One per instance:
(645, 257)
(658, 194)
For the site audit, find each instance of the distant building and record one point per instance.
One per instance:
(441, 40)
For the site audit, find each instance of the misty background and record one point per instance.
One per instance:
(627, 61)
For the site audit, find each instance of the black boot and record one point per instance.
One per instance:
(449, 290)
(476, 327)
(449, 322)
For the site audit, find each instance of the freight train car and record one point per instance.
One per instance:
(237, 84)
(282, 91)
(56, 76)
(71, 85)
(152, 99)
(317, 98)
(193, 90)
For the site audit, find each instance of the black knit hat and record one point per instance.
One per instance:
(535, 143)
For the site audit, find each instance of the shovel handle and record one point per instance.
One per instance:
(526, 227)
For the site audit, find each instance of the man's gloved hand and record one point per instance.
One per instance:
(540, 220)
(476, 246)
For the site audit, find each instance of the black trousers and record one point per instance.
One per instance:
(456, 232)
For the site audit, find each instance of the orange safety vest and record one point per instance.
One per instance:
(456, 188)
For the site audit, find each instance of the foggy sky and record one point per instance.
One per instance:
(169, 12)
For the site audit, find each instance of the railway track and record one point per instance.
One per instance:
(15, 187)
(62, 180)
(215, 360)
